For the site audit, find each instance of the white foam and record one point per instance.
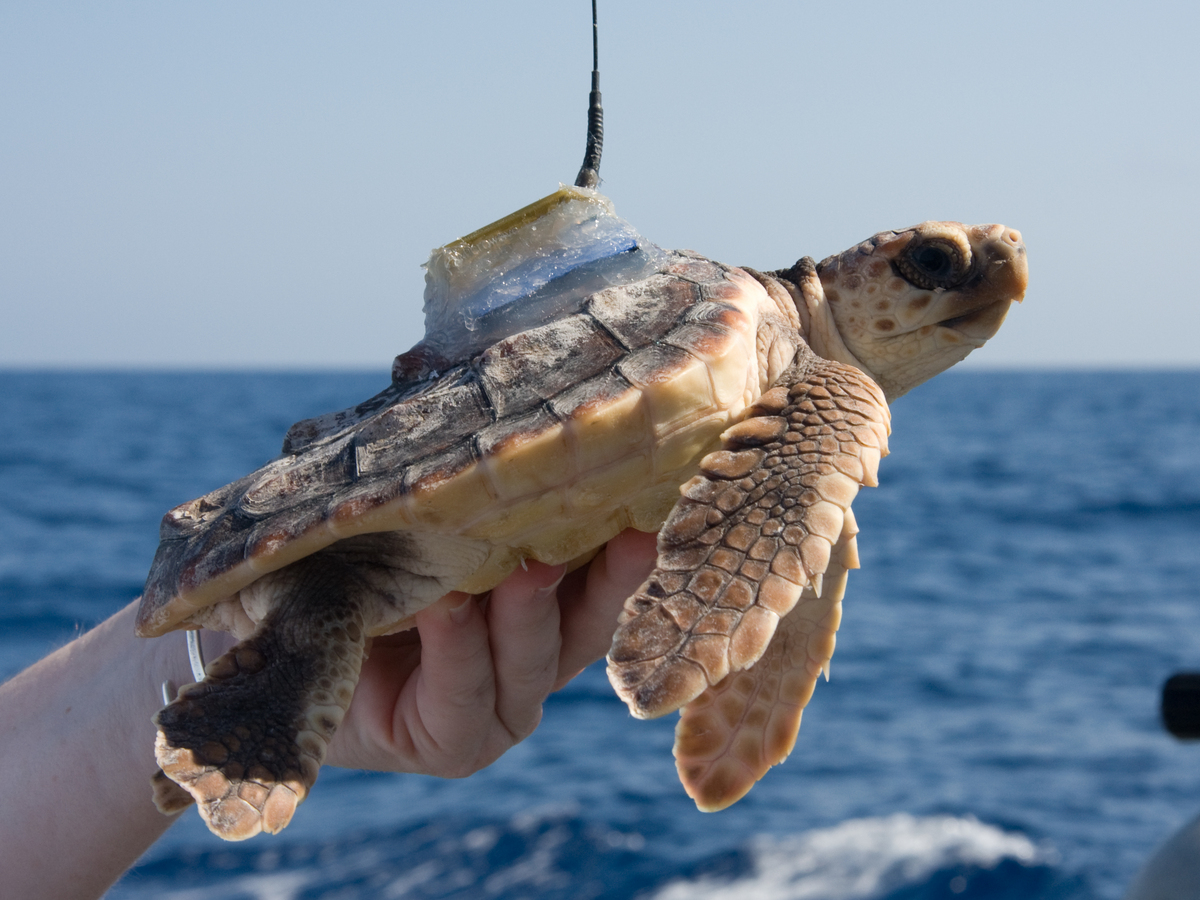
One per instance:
(279, 886)
(862, 858)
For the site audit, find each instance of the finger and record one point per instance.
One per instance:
(589, 618)
(448, 706)
(523, 624)
(366, 738)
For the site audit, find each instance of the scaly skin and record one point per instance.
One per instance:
(739, 616)
(247, 742)
(866, 314)
(752, 532)
(729, 736)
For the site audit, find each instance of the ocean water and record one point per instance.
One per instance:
(1031, 567)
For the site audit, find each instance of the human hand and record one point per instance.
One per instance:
(472, 685)
(448, 704)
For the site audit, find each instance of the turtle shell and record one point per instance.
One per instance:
(544, 445)
(572, 383)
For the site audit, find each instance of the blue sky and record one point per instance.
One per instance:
(256, 185)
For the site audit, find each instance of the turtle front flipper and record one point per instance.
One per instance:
(729, 736)
(248, 741)
(752, 533)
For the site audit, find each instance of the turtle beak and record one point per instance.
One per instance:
(1004, 275)
(1007, 267)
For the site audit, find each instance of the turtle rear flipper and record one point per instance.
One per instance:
(729, 736)
(248, 741)
(758, 530)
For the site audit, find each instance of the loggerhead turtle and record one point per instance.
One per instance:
(568, 388)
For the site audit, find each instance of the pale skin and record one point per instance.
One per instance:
(76, 737)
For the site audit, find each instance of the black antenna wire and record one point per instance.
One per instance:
(589, 172)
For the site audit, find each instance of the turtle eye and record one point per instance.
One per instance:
(934, 264)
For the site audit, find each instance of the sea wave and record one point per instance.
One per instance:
(866, 859)
(552, 855)
(1028, 583)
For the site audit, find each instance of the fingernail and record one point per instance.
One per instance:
(462, 612)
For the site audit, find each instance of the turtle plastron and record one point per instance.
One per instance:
(739, 615)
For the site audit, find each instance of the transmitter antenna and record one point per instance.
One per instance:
(589, 172)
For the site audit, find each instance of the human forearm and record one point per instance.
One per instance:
(77, 750)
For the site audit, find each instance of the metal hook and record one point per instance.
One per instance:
(195, 659)
(195, 654)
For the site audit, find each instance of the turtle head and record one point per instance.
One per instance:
(910, 304)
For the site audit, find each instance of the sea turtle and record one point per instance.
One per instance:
(622, 378)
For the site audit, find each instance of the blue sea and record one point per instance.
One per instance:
(1031, 572)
